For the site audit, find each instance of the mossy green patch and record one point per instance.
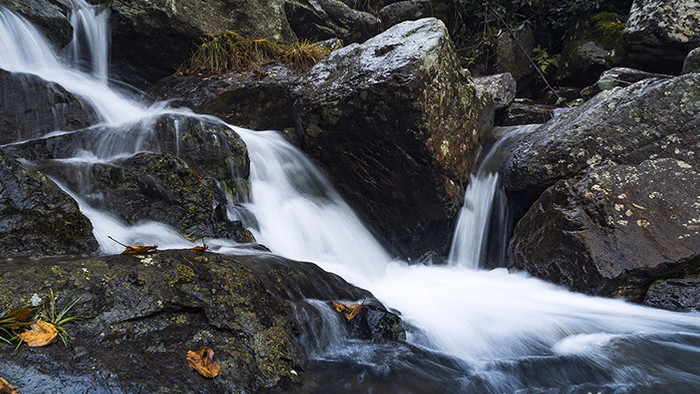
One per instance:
(185, 274)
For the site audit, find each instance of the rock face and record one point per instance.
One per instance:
(501, 87)
(691, 64)
(674, 294)
(592, 46)
(615, 229)
(48, 15)
(510, 58)
(183, 181)
(659, 33)
(521, 112)
(623, 77)
(649, 119)
(36, 217)
(323, 19)
(241, 99)
(401, 11)
(146, 312)
(166, 30)
(31, 107)
(396, 123)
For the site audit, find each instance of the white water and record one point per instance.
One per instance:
(480, 317)
(469, 239)
(91, 38)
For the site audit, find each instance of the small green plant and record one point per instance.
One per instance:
(12, 320)
(304, 54)
(59, 319)
(545, 62)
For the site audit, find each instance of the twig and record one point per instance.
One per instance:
(110, 237)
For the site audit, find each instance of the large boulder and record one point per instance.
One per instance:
(152, 38)
(50, 16)
(650, 119)
(396, 124)
(31, 107)
(401, 11)
(659, 33)
(502, 87)
(591, 46)
(323, 19)
(259, 101)
(143, 313)
(183, 173)
(509, 56)
(691, 64)
(614, 230)
(674, 294)
(36, 217)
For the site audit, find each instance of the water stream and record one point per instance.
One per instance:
(473, 330)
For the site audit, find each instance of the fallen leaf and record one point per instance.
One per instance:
(40, 333)
(139, 249)
(202, 248)
(202, 362)
(6, 387)
(350, 311)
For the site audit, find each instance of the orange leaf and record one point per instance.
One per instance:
(202, 248)
(40, 333)
(6, 387)
(138, 249)
(202, 362)
(350, 311)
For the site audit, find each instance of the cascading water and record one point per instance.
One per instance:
(475, 330)
(90, 44)
(469, 240)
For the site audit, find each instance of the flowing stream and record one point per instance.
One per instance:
(472, 330)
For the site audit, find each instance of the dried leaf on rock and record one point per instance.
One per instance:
(135, 249)
(40, 333)
(139, 249)
(6, 387)
(202, 362)
(202, 248)
(350, 311)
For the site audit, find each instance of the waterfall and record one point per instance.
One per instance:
(90, 44)
(474, 330)
(469, 239)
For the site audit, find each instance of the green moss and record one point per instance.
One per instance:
(185, 274)
(607, 29)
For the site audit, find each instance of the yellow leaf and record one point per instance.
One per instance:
(350, 311)
(202, 248)
(6, 387)
(40, 333)
(202, 362)
(138, 249)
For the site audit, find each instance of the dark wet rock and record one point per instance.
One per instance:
(614, 230)
(50, 16)
(502, 88)
(323, 19)
(649, 119)
(674, 294)
(151, 39)
(209, 147)
(660, 33)
(396, 123)
(521, 112)
(511, 59)
(36, 217)
(591, 46)
(260, 101)
(184, 179)
(157, 187)
(691, 64)
(624, 76)
(402, 11)
(145, 312)
(31, 107)
(564, 94)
